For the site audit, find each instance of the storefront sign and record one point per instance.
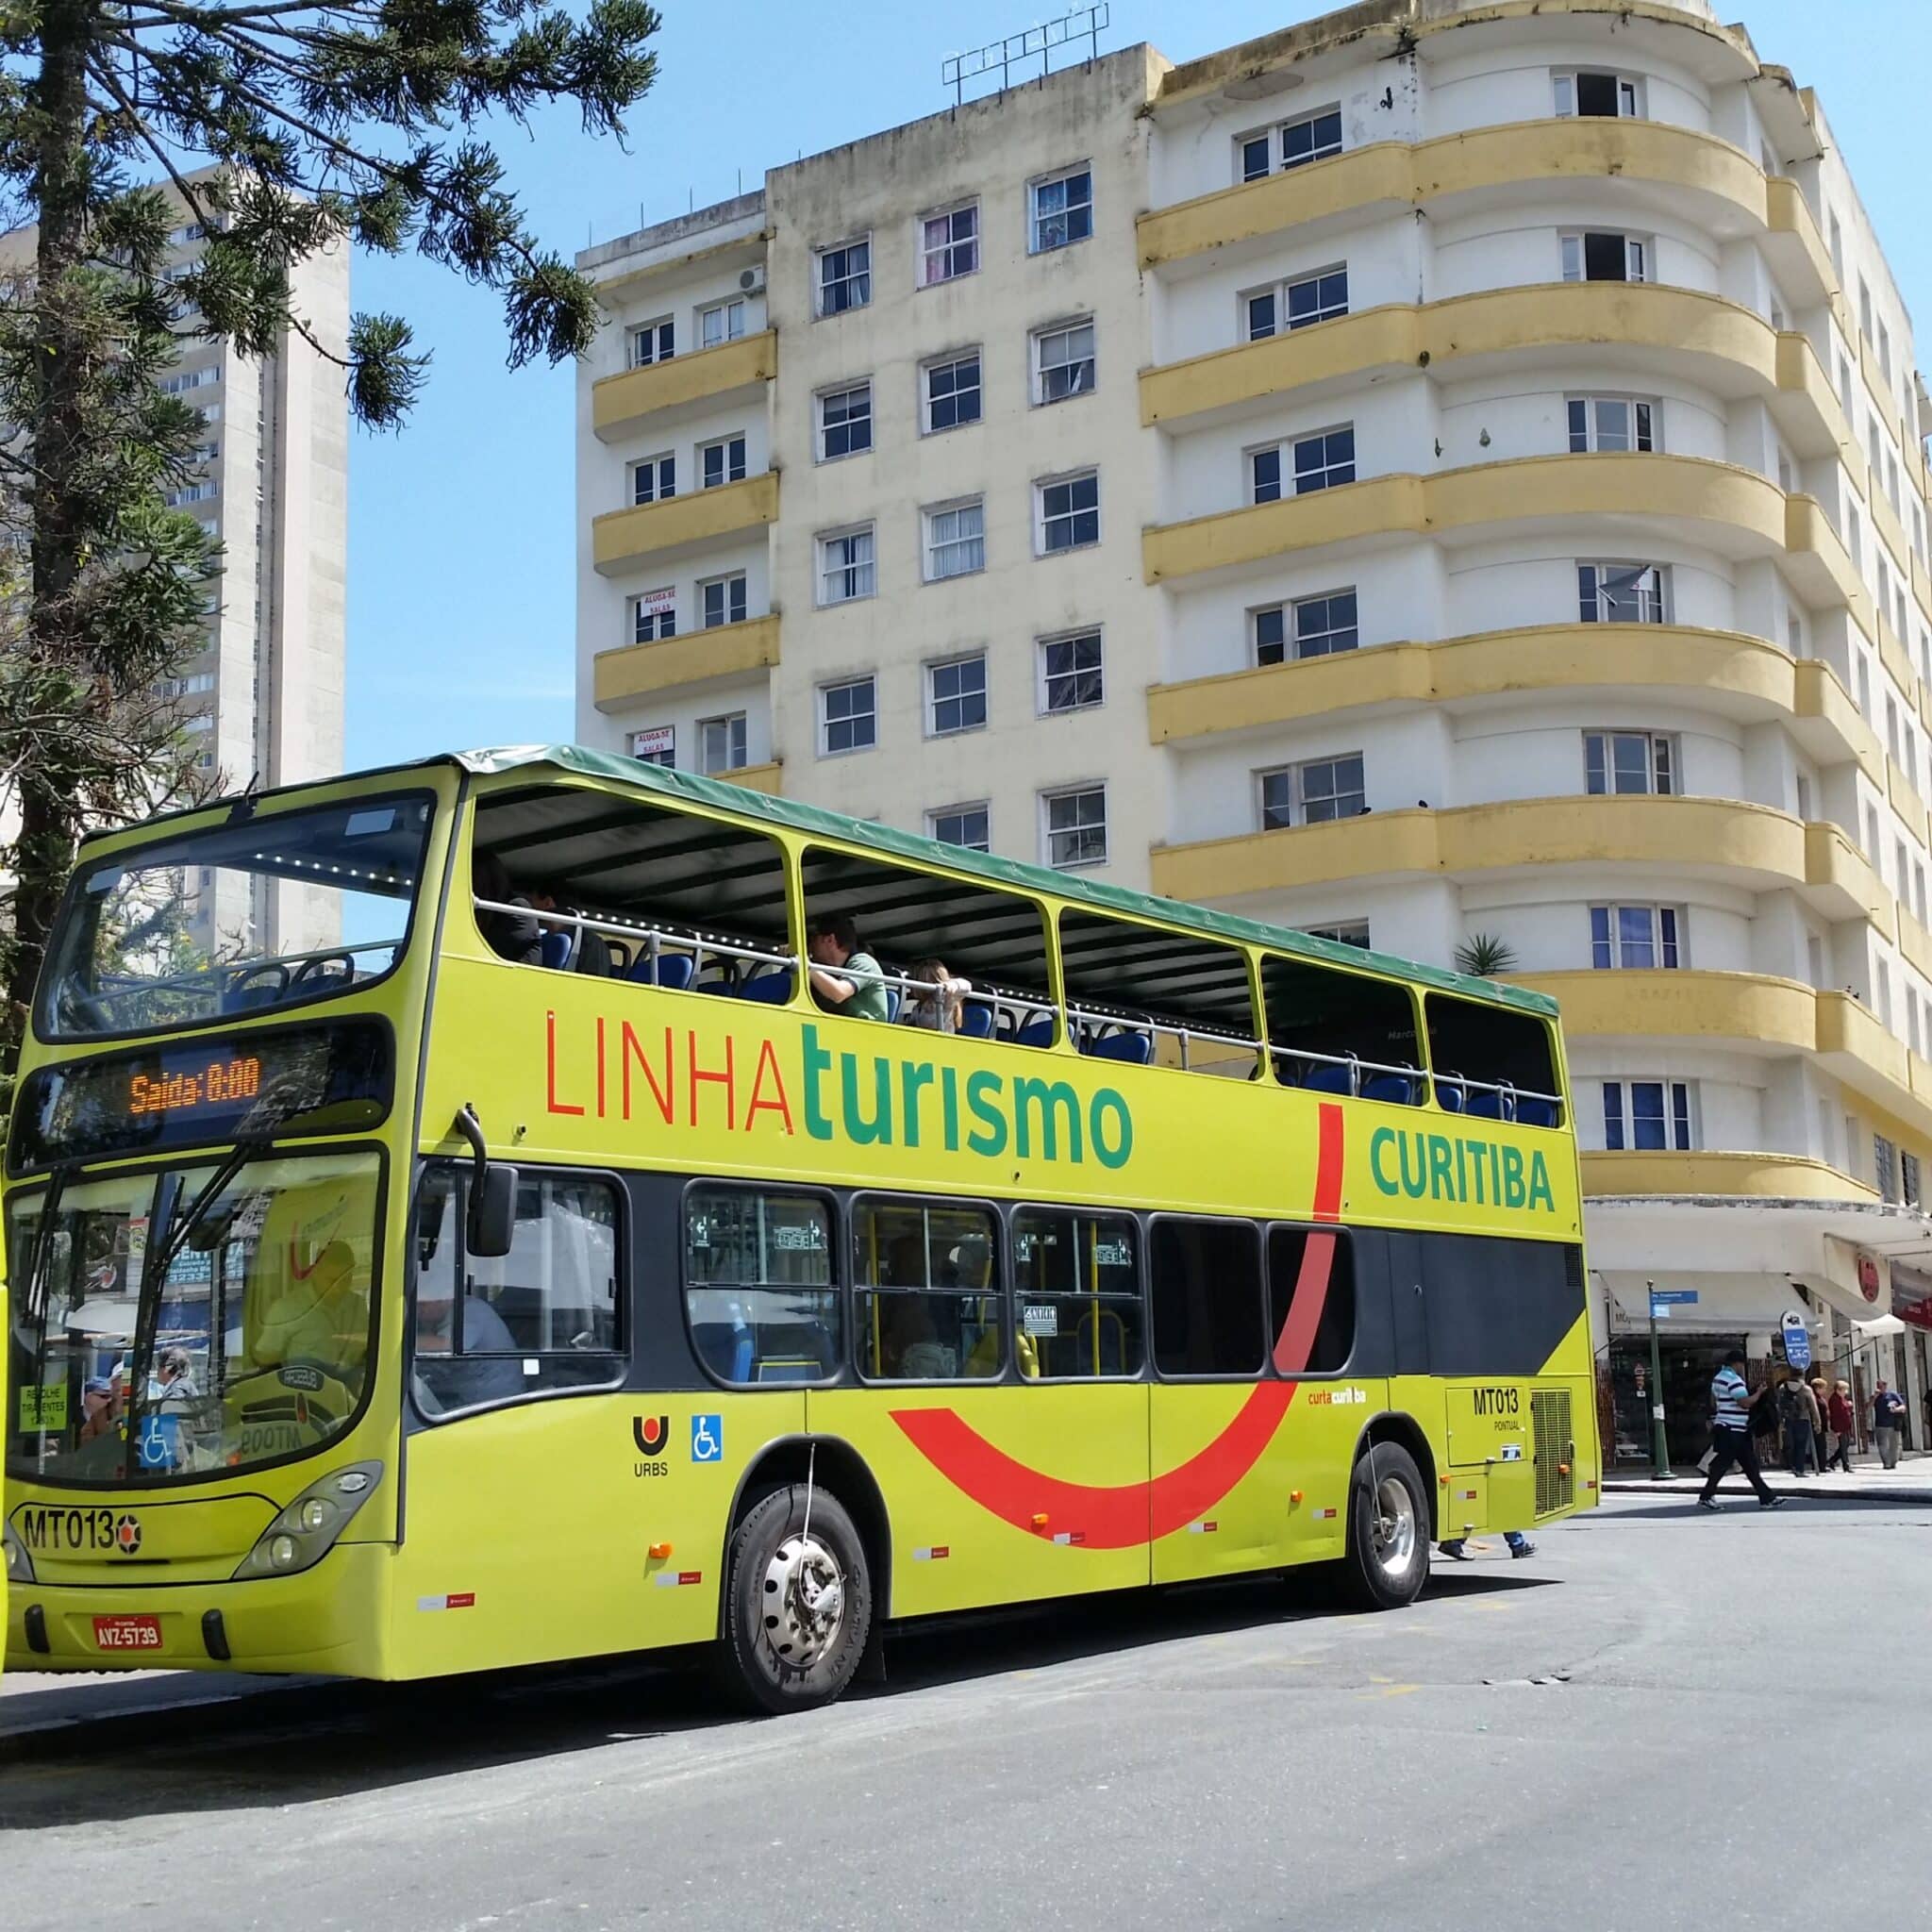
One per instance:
(657, 746)
(1868, 1277)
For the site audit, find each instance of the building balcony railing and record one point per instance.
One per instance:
(768, 778)
(1715, 1176)
(727, 650)
(620, 404)
(623, 539)
(1725, 840)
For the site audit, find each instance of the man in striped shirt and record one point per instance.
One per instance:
(1730, 1434)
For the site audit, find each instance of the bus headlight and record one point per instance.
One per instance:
(20, 1566)
(306, 1531)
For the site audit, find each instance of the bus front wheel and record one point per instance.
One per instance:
(1388, 1559)
(797, 1601)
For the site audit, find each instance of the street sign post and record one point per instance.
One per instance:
(1659, 1443)
(1797, 1339)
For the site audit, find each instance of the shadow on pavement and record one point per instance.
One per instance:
(298, 1741)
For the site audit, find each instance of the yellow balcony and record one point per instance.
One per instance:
(1856, 1048)
(1797, 249)
(766, 778)
(1843, 882)
(1830, 725)
(1885, 521)
(623, 539)
(729, 650)
(1757, 1177)
(1709, 177)
(1751, 1010)
(618, 404)
(1904, 801)
(1701, 338)
(1732, 509)
(1820, 564)
(1915, 943)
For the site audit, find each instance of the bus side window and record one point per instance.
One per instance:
(1493, 1063)
(928, 1300)
(1206, 1284)
(1076, 1293)
(758, 1287)
(1147, 995)
(1310, 1299)
(1333, 1031)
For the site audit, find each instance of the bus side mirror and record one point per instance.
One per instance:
(493, 1209)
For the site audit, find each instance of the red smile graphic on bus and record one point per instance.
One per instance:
(1132, 1514)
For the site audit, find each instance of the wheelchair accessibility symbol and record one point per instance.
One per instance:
(707, 1439)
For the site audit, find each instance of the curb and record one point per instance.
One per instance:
(1680, 1487)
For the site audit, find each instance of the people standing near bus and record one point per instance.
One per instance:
(1840, 1416)
(1797, 1414)
(843, 976)
(1888, 1422)
(1820, 1446)
(937, 1010)
(1731, 1434)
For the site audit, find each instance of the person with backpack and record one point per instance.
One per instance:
(1798, 1417)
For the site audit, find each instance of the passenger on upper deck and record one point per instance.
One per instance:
(513, 936)
(939, 1009)
(843, 976)
(588, 953)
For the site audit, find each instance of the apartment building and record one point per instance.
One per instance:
(262, 698)
(1436, 473)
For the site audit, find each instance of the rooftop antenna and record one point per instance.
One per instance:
(1035, 42)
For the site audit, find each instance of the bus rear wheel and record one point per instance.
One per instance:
(1387, 1559)
(797, 1602)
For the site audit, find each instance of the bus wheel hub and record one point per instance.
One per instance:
(803, 1601)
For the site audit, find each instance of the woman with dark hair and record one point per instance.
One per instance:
(512, 936)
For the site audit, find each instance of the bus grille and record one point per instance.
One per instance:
(1556, 1483)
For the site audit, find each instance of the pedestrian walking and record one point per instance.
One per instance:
(1888, 1421)
(1821, 1445)
(1520, 1545)
(1797, 1414)
(1839, 1418)
(1731, 1397)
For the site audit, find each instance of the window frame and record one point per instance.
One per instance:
(1345, 1244)
(980, 806)
(1063, 479)
(840, 1286)
(1663, 942)
(1601, 568)
(1645, 430)
(823, 691)
(1623, 1085)
(1280, 293)
(822, 428)
(1290, 610)
(723, 582)
(725, 718)
(1672, 761)
(723, 305)
(929, 671)
(1298, 799)
(1037, 340)
(1264, 1369)
(999, 1293)
(841, 534)
(1290, 449)
(654, 463)
(722, 446)
(1048, 795)
(1637, 252)
(1139, 1223)
(951, 359)
(664, 623)
(925, 252)
(929, 546)
(636, 331)
(1043, 678)
(1571, 78)
(1055, 178)
(623, 1300)
(821, 285)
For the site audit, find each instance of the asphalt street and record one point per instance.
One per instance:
(1662, 1720)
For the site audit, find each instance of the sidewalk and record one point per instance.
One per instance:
(1870, 1481)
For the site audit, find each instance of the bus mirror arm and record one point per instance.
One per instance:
(492, 1192)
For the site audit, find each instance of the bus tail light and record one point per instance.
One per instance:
(306, 1531)
(20, 1566)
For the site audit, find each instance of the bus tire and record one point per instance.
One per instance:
(797, 1613)
(1388, 1554)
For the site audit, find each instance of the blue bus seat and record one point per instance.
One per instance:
(1531, 1112)
(894, 998)
(1328, 1080)
(1450, 1097)
(1399, 1088)
(772, 988)
(976, 1020)
(1487, 1106)
(1137, 1049)
(1036, 1032)
(675, 971)
(556, 950)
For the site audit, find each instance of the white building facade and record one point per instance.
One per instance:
(1436, 473)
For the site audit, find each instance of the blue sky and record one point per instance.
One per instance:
(462, 570)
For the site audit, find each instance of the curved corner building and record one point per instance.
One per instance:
(1441, 474)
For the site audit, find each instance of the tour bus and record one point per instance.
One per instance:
(456, 1222)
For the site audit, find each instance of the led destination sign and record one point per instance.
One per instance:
(276, 1084)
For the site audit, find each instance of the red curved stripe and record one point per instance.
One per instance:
(1127, 1514)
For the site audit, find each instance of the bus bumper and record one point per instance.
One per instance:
(331, 1621)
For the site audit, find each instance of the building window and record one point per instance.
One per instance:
(1613, 95)
(1348, 932)
(1626, 762)
(846, 569)
(1076, 824)
(722, 461)
(1622, 593)
(1611, 423)
(844, 422)
(844, 276)
(960, 824)
(1062, 210)
(654, 745)
(1067, 513)
(722, 743)
(1071, 672)
(848, 716)
(1908, 1180)
(1598, 255)
(948, 244)
(955, 540)
(653, 616)
(1660, 1115)
(1885, 1167)
(1318, 298)
(1063, 363)
(955, 695)
(1312, 793)
(652, 342)
(654, 479)
(949, 392)
(1308, 627)
(1634, 938)
(723, 321)
(722, 600)
(1309, 138)
(1320, 462)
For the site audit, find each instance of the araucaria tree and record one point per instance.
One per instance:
(283, 129)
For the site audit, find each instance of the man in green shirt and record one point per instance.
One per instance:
(843, 976)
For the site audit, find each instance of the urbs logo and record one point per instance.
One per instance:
(651, 1433)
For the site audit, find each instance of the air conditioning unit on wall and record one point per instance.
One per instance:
(752, 282)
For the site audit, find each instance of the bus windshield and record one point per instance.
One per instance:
(251, 1346)
(283, 907)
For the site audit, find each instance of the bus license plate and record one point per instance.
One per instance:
(127, 1633)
